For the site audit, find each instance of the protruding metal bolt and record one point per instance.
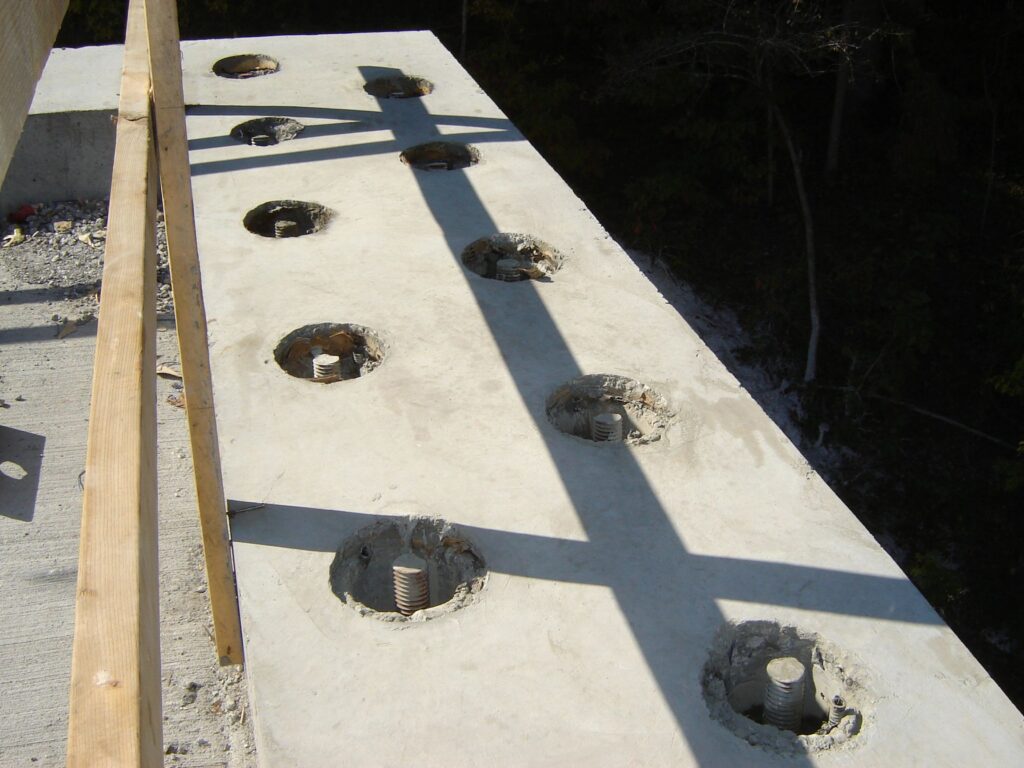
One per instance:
(438, 165)
(286, 228)
(412, 588)
(784, 693)
(508, 270)
(325, 366)
(836, 710)
(262, 140)
(606, 427)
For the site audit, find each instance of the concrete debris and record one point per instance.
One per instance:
(61, 246)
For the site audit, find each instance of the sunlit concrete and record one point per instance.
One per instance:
(611, 567)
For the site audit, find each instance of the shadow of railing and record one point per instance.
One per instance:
(589, 473)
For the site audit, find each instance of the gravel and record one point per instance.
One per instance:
(60, 246)
(50, 277)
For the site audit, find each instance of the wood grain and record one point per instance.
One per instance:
(26, 35)
(190, 318)
(115, 714)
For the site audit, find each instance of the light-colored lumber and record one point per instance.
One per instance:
(190, 318)
(115, 715)
(27, 32)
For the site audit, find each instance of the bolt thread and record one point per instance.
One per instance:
(325, 366)
(438, 165)
(836, 711)
(262, 140)
(784, 693)
(606, 427)
(286, 228)
(411, 585)
(508, 270)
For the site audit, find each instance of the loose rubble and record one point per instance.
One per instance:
(61, 246)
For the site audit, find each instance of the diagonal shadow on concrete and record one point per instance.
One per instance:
(588, 472)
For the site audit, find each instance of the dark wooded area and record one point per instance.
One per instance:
(848, 176)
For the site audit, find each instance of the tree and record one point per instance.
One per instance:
(760, 44)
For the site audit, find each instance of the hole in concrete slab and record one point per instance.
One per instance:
(357, 350)
(590, 405)
(736, 675)
(362, 577)
(399, 87)
(441, 156)
(266, 131)
(287, 218)
(246, 65)
(511, 257)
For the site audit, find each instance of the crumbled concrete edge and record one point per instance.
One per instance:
(740, 650)
(637, 398)
(440, 541)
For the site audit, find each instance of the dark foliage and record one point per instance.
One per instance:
(920, 225)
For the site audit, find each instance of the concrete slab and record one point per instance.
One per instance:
(612, 567)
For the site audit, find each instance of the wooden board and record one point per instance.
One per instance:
(115, 711)
(26, 35)
(190, 318)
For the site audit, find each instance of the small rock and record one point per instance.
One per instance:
(202, 743)
(63, 227)
(176, 748)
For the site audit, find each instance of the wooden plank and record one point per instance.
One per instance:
(26, 35)
(115, 714)
(190, 318)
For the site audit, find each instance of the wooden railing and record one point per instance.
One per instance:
(115, 710)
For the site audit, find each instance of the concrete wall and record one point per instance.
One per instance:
(66, 149)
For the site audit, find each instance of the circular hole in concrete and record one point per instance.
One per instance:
(266, 131)
(511, 257)
(286, 218)
(637, 412)
(246, 65)
(362, 575)
(736, 675)
(441, 156)
(305, 352)
(399, 87)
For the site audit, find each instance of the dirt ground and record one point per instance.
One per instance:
(48, 303)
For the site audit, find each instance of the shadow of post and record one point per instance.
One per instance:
(21, 460)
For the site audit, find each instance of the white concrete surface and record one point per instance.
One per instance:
(611, 568)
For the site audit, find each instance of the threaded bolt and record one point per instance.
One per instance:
(438, 165)
(606, 427)
(325, 366)
(412, 589)
(836, 711)
(508, 270)
(262, 140)
(286, 228)
(784, 693)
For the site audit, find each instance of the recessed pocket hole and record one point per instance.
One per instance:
(399, 87)
(286, 218)
(783, 689)
(246, 65)
(412, 569)
(266, 131)
(512, 257)
(330, 352)
(441, 156)
(606, 408)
